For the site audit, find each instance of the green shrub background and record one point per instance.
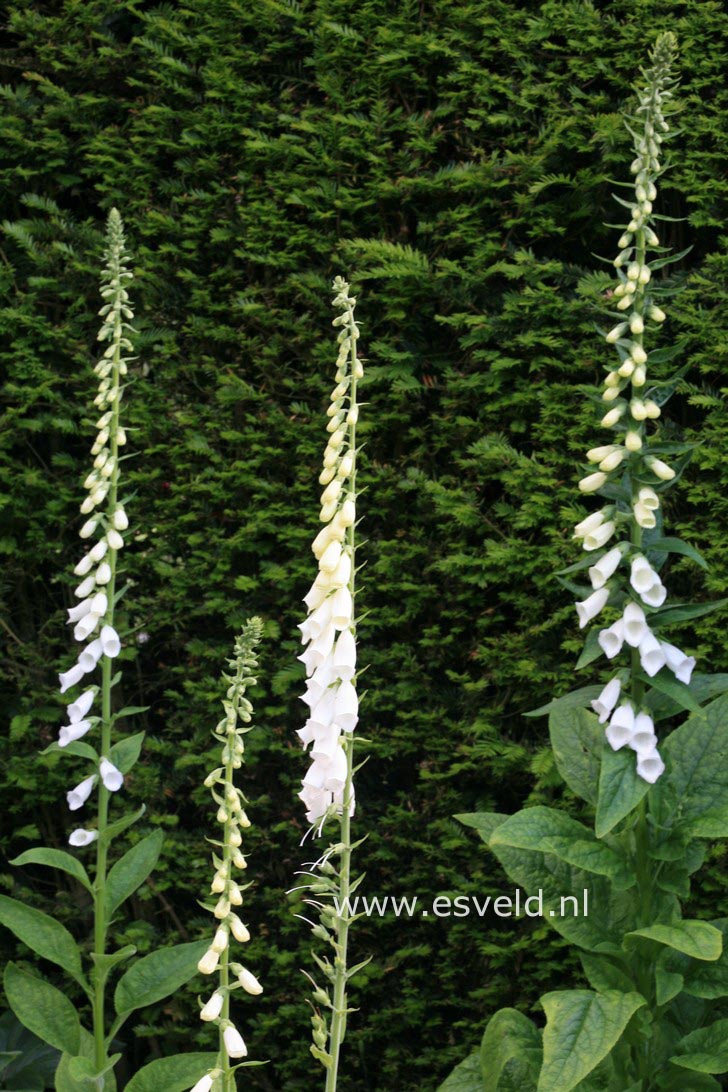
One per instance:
(452, 159)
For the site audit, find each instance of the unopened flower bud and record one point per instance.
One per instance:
(208, 963)
(212, 1008)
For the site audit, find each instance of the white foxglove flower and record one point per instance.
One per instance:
(120, 520)
(103, 573)
(75, 614)
(212, 1008)
(344, 663)
(110, 641)
(621, 727)
(88, 528)
(594, 540)
(642, 575)
(84, 566)
(91, 655)
(660, 469)
(611, 639)
(652, 655)
(589, 524)
(204, 1084)
(249, 982)
(635, 625)
(71, 677)
(649, 498)
(234, 1045)
(592, 482)
(600, 573)
(679, 663)
(112, 778)
(644, 516)
(650, 766)
(71, 732)
(79, 708)
(643, 740)
(342, 608)
(589, 608)
(238, 929)
(346, 706)
(82, 837)
(656, 595)
(209, 961)
(77, 797)
(605, 703)
(85, 588)
(83, 629)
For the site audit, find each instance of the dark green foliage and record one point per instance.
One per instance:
(451, 159)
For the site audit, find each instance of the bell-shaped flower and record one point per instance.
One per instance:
(71, 732)
(103, 573)
(644, 516)
(345, 655)
(318, 591)
(594, 540)
(605, 567)
(85, 588)
(320, 648)
(91, 655)
(100, 603)
(110, 642)
(652, 654)
(590, 607)
(209, 961)
(605, 703)
(611, 639)
(621, 727)
(317, 622)
(649, 498)
(679, 663)
(71, 677)
(84, 566)
(233, 1042)
(656, 595)
(77, 797)
(114, 539)
(650, 766)
(112, 778)
(643, 739)
(635, 624)
(330, 557)
(81, 837)
(204, 1084)
(249, 982)
(642, 575)
(335, 771)
(346, 710)
(660, 469)
(592, 482)
(342, 608)
(78, 709)
(324, 712)
(213, 1007)
(85, 627)
(342, 572)
(326, 743)
(75, 614)
(589, 524)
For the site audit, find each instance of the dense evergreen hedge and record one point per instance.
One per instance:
(451, 157)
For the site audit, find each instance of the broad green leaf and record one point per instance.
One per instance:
(685, 612)
(108, 960)
(577, 739)
(710, 980)
(677, 546)
(668, 984)
(581, 1029)
(598, 917)
(131, 711)
(132, 870)
(464, 1077)
(546, 830)
(125, 753)
(604, 974)
(485, 822)
(85, 1072)
(698, 939)
(43, 1009)
(123, 822)
(43, 934)
(576, 699)
(704, 1050)
(591, 651)
(704, 688)
(177, 1074)
(696, 781)
(55, 858)
(620, 789)
(66, 1083)
(157, 976)
(666, 683)
(511, 1043)
(78, 749)
(711, 824)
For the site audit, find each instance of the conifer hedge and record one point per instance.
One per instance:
(452, 158)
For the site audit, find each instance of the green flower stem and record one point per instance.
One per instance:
(338, 1018)
(100, 922)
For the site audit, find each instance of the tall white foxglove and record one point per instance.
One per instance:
(233, 818)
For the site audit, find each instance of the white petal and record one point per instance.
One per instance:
(71, 732)
(347, 706)
(71, 677)
(607, 700)
(112, 778)
(79, 708)
(345, 655)
(90, 656)
(110, 642)
(81, 837)
(77, 797)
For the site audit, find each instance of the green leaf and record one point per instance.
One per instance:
(577, 739)
(84, 1070)
(546, 830)
(121, 824)
(668, 983)
(704, 1050)
(696, 782)
(109, 960)
(704, 688)
(130, 711)
(511, 1043)
(485, 822)
(685, 612)
(581, 1029)
(711, 824)
(66, 1083)
(667, 684)
(132, 870)
(677, 546)
(78, 749)
(697, 939)
(175, 1074)
(709, 981)
(576, 699)
(620, 789)
(125, 753)
(43, 934)
(591, 651)
(43, 1009)
(604, 974)
(464, 1077)
(157, 976)
(55, 858)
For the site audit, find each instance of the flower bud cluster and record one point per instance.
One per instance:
(93, 617)
(624, 469)
(329, 630)
(233, 818)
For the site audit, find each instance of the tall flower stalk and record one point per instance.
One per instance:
(329, 633)
(630, 472)
(228, 858)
